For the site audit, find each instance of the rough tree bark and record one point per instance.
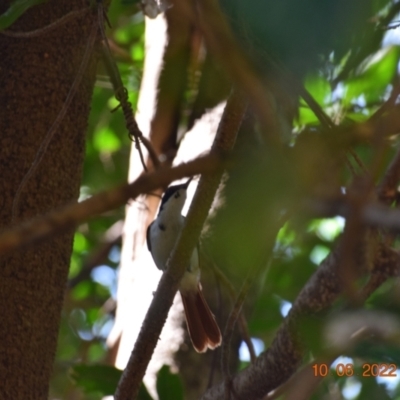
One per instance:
(36, 75)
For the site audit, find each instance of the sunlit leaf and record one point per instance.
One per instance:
(320, 90)
(375, 77)
(285, 236)
(106, 140)
(75, 265)
(137, 52)
(327, 229)
(306, 116)
(80, 242)
(318, 254)
(83, 290)
(318, 87)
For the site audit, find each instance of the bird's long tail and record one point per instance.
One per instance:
(203, 329)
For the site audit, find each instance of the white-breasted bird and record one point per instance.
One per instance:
(162, 235)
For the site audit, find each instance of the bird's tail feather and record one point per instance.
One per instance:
(203, 329)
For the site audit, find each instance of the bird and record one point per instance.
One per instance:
(162, 235)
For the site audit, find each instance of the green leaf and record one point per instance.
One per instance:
(96, 352)
(106, 140)
(83, 290)
(377, 75)
(16, 9)
(137, 52)
(80, 242)
(96, 378)
(320, 90)
(318, 87)
(306, 116)
(101, 379)
(169, 386)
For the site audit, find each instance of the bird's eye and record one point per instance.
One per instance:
(177, 195)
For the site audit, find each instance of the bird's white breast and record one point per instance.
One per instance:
(163, 238)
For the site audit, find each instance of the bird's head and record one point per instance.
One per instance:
(174, 198)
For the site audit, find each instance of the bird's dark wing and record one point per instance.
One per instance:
(148, 237)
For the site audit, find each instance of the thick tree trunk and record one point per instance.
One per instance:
(36, 75)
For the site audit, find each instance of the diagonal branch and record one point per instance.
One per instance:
(58, 221)
(132, 376)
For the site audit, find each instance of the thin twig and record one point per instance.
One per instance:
(53, 129)
(229, 328)
(325, 120)
(121, 94)
(358, 161)
(230, 325)
(350, 165)
(244, 330)
(389, 103)
(48, 28)
(37, 229)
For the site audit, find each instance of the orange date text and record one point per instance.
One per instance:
(368, 370)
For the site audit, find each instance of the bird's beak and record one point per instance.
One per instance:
(188, 182)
